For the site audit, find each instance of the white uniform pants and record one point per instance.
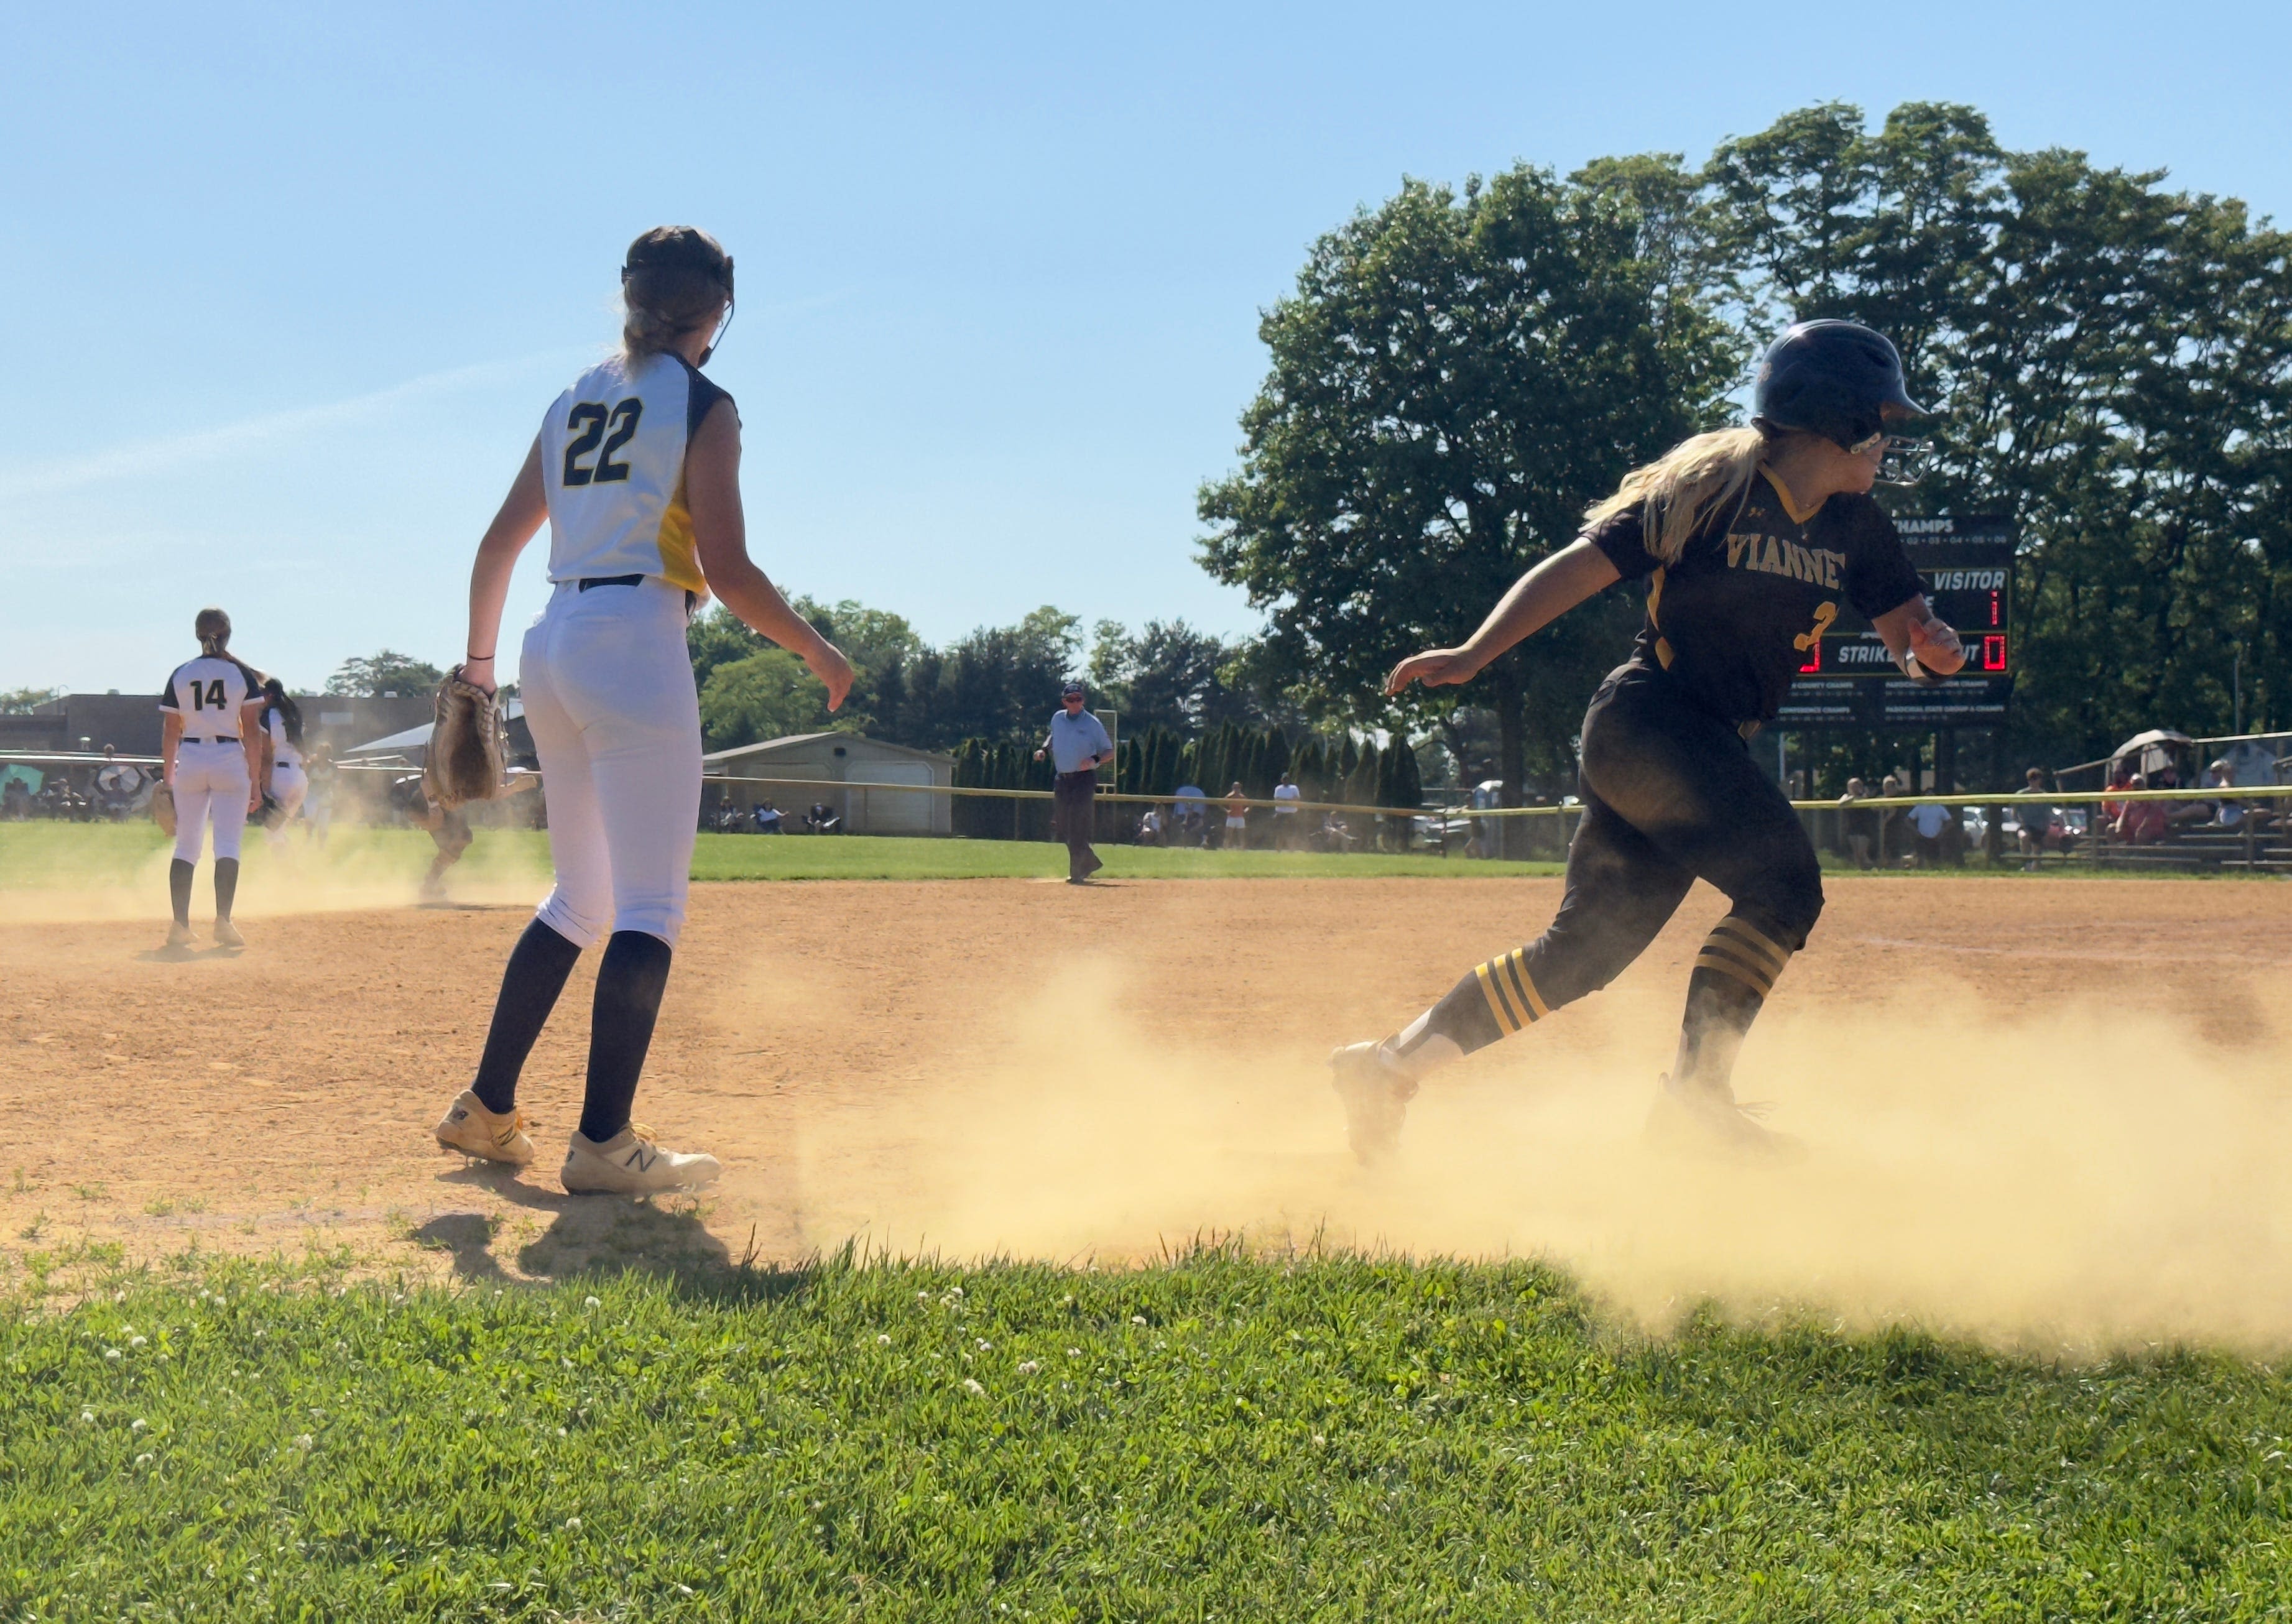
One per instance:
(608, 689)
(210, 782)
(288, 786)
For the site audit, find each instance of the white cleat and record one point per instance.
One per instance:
(179, 935)
(469, 1128)
(1376, 1098)
(1708, 1120)
(631, 1163)
(226, 935)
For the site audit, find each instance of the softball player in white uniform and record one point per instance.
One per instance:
(282, 748)
(636, 469)
(211, 753)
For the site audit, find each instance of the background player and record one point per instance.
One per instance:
(637, 469)
(283, 777)
(1749, 540)
(211, 754)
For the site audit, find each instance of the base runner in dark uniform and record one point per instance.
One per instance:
(1750, 541)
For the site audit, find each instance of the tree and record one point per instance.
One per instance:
(768, 695)
(382, 673)
(1455, 379)
(23, 701)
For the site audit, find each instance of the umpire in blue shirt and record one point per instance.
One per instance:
(1078, 743)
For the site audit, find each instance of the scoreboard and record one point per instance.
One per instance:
(1967, 565)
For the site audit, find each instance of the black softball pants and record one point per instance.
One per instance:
(1670, 796)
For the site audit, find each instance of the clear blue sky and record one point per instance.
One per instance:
(289, 287)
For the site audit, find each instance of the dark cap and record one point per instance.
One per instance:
(1072, 690)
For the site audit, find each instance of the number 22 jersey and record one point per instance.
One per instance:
(612, 466)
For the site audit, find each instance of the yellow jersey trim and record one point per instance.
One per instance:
(1790, 502)
(680, 554)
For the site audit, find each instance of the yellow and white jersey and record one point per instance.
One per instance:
(208, 694)
(282, 752)
(612, 463)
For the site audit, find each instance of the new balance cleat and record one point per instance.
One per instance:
(632, 1163)
(1709, 1121)
(1376, 1097)
(469, 1128)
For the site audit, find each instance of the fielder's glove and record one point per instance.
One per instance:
(467, 756)
(163, 809)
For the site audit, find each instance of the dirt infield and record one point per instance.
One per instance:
(2034, 1105)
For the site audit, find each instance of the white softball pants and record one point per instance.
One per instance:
(289, 784)
(210, 785)
(609, 694)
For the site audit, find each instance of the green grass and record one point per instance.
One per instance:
(1313, 1438)
(38, 856)
(42, 856)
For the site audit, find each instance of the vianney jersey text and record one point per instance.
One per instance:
(612, 465)
(1739, 615)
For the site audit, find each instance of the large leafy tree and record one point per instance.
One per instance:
(1457, 376)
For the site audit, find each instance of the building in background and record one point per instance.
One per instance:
(849, 762)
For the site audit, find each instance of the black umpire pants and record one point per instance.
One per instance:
(1671, 795)
(1073, 814)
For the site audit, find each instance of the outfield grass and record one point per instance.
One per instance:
(64, 855)
(1216, 1438)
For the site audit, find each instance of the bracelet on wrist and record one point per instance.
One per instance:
(476, 659)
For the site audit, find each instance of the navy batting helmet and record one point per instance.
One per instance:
(1840, 380)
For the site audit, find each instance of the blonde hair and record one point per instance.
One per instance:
(213, 629)
(1682, 489)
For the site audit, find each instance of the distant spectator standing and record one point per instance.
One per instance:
(1237, 818)
(1928, 822)
(1286, 797)
(1859, 823)
(2037, 819)
(1076, 744)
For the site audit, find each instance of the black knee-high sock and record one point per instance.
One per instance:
(179, 889)
(629, 982)
(1733, 974)
(226, 885)
(1493, 1001)
(537, 968)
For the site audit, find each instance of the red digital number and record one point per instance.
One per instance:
(1814, 659)
(1993, 652)
(1995, 610)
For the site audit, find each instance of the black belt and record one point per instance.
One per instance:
(1088, 772)
(210, 742)
(587, 581)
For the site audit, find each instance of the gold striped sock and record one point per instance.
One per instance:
(1741, 951)
(1511, 992)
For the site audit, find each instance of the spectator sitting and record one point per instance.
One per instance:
(1335, 835)
(2037, 821)
(2183, 814)
(2121, 777)
(1928, 822)
(1858, 823)
(2236, 815)
(767, 817)
(819, 820)
(2142, 823)
(1150, 828)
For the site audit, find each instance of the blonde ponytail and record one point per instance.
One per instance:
(212, 627)
(1683, 489)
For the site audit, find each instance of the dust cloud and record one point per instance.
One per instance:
(2075, 1179)
(359, 868)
